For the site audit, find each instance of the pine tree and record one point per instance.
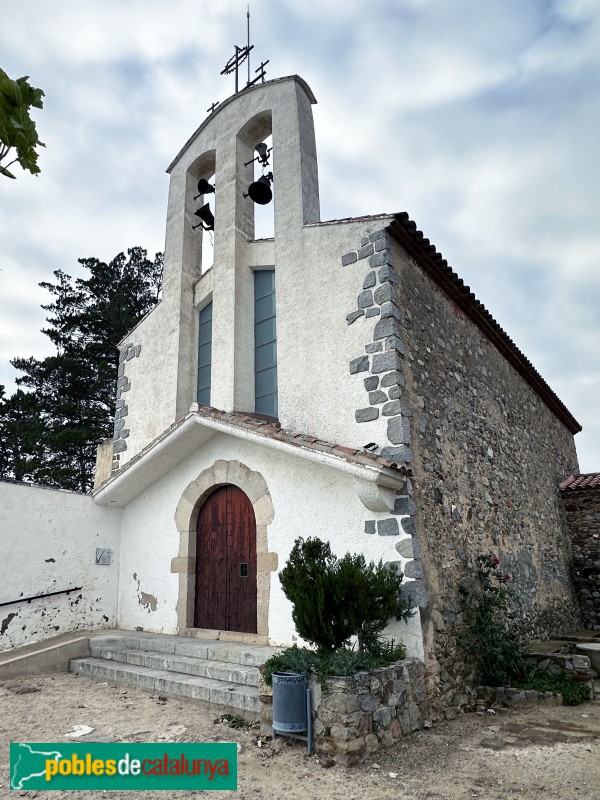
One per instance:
(71, 397)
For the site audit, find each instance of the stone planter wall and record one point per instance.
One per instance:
(575, 665)
(359, 714)
(582, 509)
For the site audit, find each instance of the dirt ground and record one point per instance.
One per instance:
(490, 757)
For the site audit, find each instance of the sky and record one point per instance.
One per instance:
(480, 119)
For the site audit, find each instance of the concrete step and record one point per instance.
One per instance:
(188, 665)
(242, 699)
(221, 673)
(209, 649)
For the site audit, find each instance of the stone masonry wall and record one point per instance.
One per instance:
(582, 510)
(488, 457)
(121, 433)
(360, 714)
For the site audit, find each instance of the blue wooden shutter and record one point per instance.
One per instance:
(204, 354)
(265, 343)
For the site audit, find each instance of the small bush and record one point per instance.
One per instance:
(573, 692)
(335, 599)
(329, 664)
(487, 638)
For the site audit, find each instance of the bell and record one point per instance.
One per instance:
(260, 191)
(207, 218)
(204, 187)
(262, 149)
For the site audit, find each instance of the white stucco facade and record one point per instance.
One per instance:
(306, 473)
(49, 541)
(308, 498)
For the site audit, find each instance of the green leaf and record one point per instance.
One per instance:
(8, 174)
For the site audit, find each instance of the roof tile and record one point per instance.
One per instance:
(590, 480)
(272, 430)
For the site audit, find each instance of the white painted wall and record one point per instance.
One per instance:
(318, 501)
(314, 293)
(48, 540)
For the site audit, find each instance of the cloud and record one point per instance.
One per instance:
(480, 120)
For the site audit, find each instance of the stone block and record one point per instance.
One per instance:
(340, 703)
(387, 274)
(376, 235)
(413, 569)
(398, 432)
(387, 326)
(380, 259)
(390, 310)
(360, 364)
(374, 311)
(126, 387)
(370, 526)
(119, 424)
(384, 362)
(377, 397)
(121, 370)
(404, 505)
(349, 258)
(408, 526)
(414, 593)
(388, 527)
(380, 244)
(384, 294)
(401, 455)
(394, 378)
(369, 281)
(353, 316)
(395, 407)
(138, 350)
(395, 392)
(341, 733)
(366, 414)
(125, 433)
(374, 347)
(365, 251)
(395, 343)
(121, 381)
(382, 716)
(371, 383)
(371, 743)
(130, 353)
(368, 702)
(365, 299)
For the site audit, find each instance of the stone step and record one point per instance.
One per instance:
(239, 698)
(188, 665)
(209, 649)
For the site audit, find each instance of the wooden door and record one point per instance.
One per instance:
(226, 563)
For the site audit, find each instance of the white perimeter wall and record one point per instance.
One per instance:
(308, 500)
(48, 541)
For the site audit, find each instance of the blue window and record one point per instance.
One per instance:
(204, 354)
(265, 343)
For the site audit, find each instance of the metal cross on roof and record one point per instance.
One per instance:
(241, 55)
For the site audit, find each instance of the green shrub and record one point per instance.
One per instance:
(486, 637)
(573, 692)
(334, 599)
(342, 661)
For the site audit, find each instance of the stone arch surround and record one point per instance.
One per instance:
(186, 517)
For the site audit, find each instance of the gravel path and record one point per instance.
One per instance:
(529, 754)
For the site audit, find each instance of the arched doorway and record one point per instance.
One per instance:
(226, 562)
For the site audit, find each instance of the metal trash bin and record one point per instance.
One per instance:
(292, 706)
(289, 702)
